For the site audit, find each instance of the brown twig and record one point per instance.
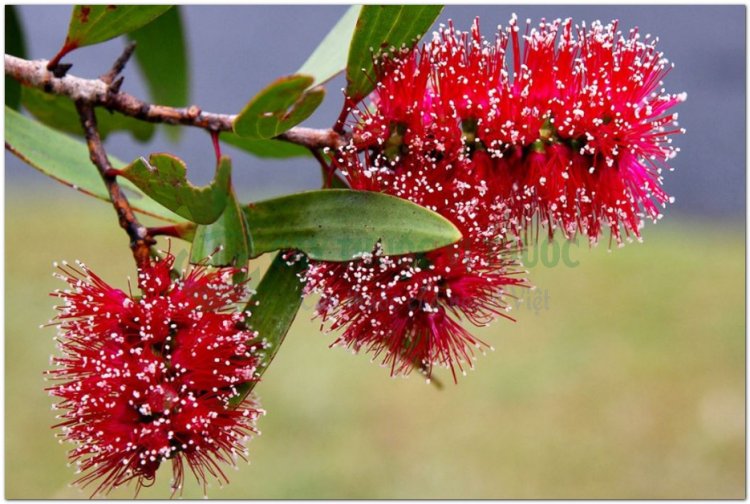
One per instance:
(174, 230)
(97, 92)
(119, 65)
(140, 240)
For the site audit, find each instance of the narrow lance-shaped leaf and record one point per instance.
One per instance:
(162, 56)
(226, 242)
(341, 225)
(15, 44)
(329, 58)
(67, 160)
(164, 178)
(92, 24)
(382, 27)
(60, 113)
(280, 106)
(274, 306)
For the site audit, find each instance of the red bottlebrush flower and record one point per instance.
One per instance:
(146, 379)
(577, 129)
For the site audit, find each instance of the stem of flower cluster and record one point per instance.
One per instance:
(217, 145)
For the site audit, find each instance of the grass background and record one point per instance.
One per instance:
(624, 377)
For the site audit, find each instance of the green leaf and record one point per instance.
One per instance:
(164, 178)
(274, 306)
(329, 58)
(341, 224)
(162, 56)
(60, 113)
(226, 242)
(15, 44)
(67, 160)
(282, 105)
(382, 27)
(265, 148)
(92, 24)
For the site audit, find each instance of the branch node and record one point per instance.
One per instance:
(141, 232)
(61, 69)
(111, 173)
(193, 112)
(114, 88)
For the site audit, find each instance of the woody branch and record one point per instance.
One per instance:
(104, 92)
(140, 239)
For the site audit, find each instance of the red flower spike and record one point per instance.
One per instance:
(585, 110)
(146, 379)
(574, 123)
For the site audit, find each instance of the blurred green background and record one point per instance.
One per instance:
(624, 377)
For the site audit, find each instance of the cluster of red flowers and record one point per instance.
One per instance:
(573, 137)
(146, 379)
